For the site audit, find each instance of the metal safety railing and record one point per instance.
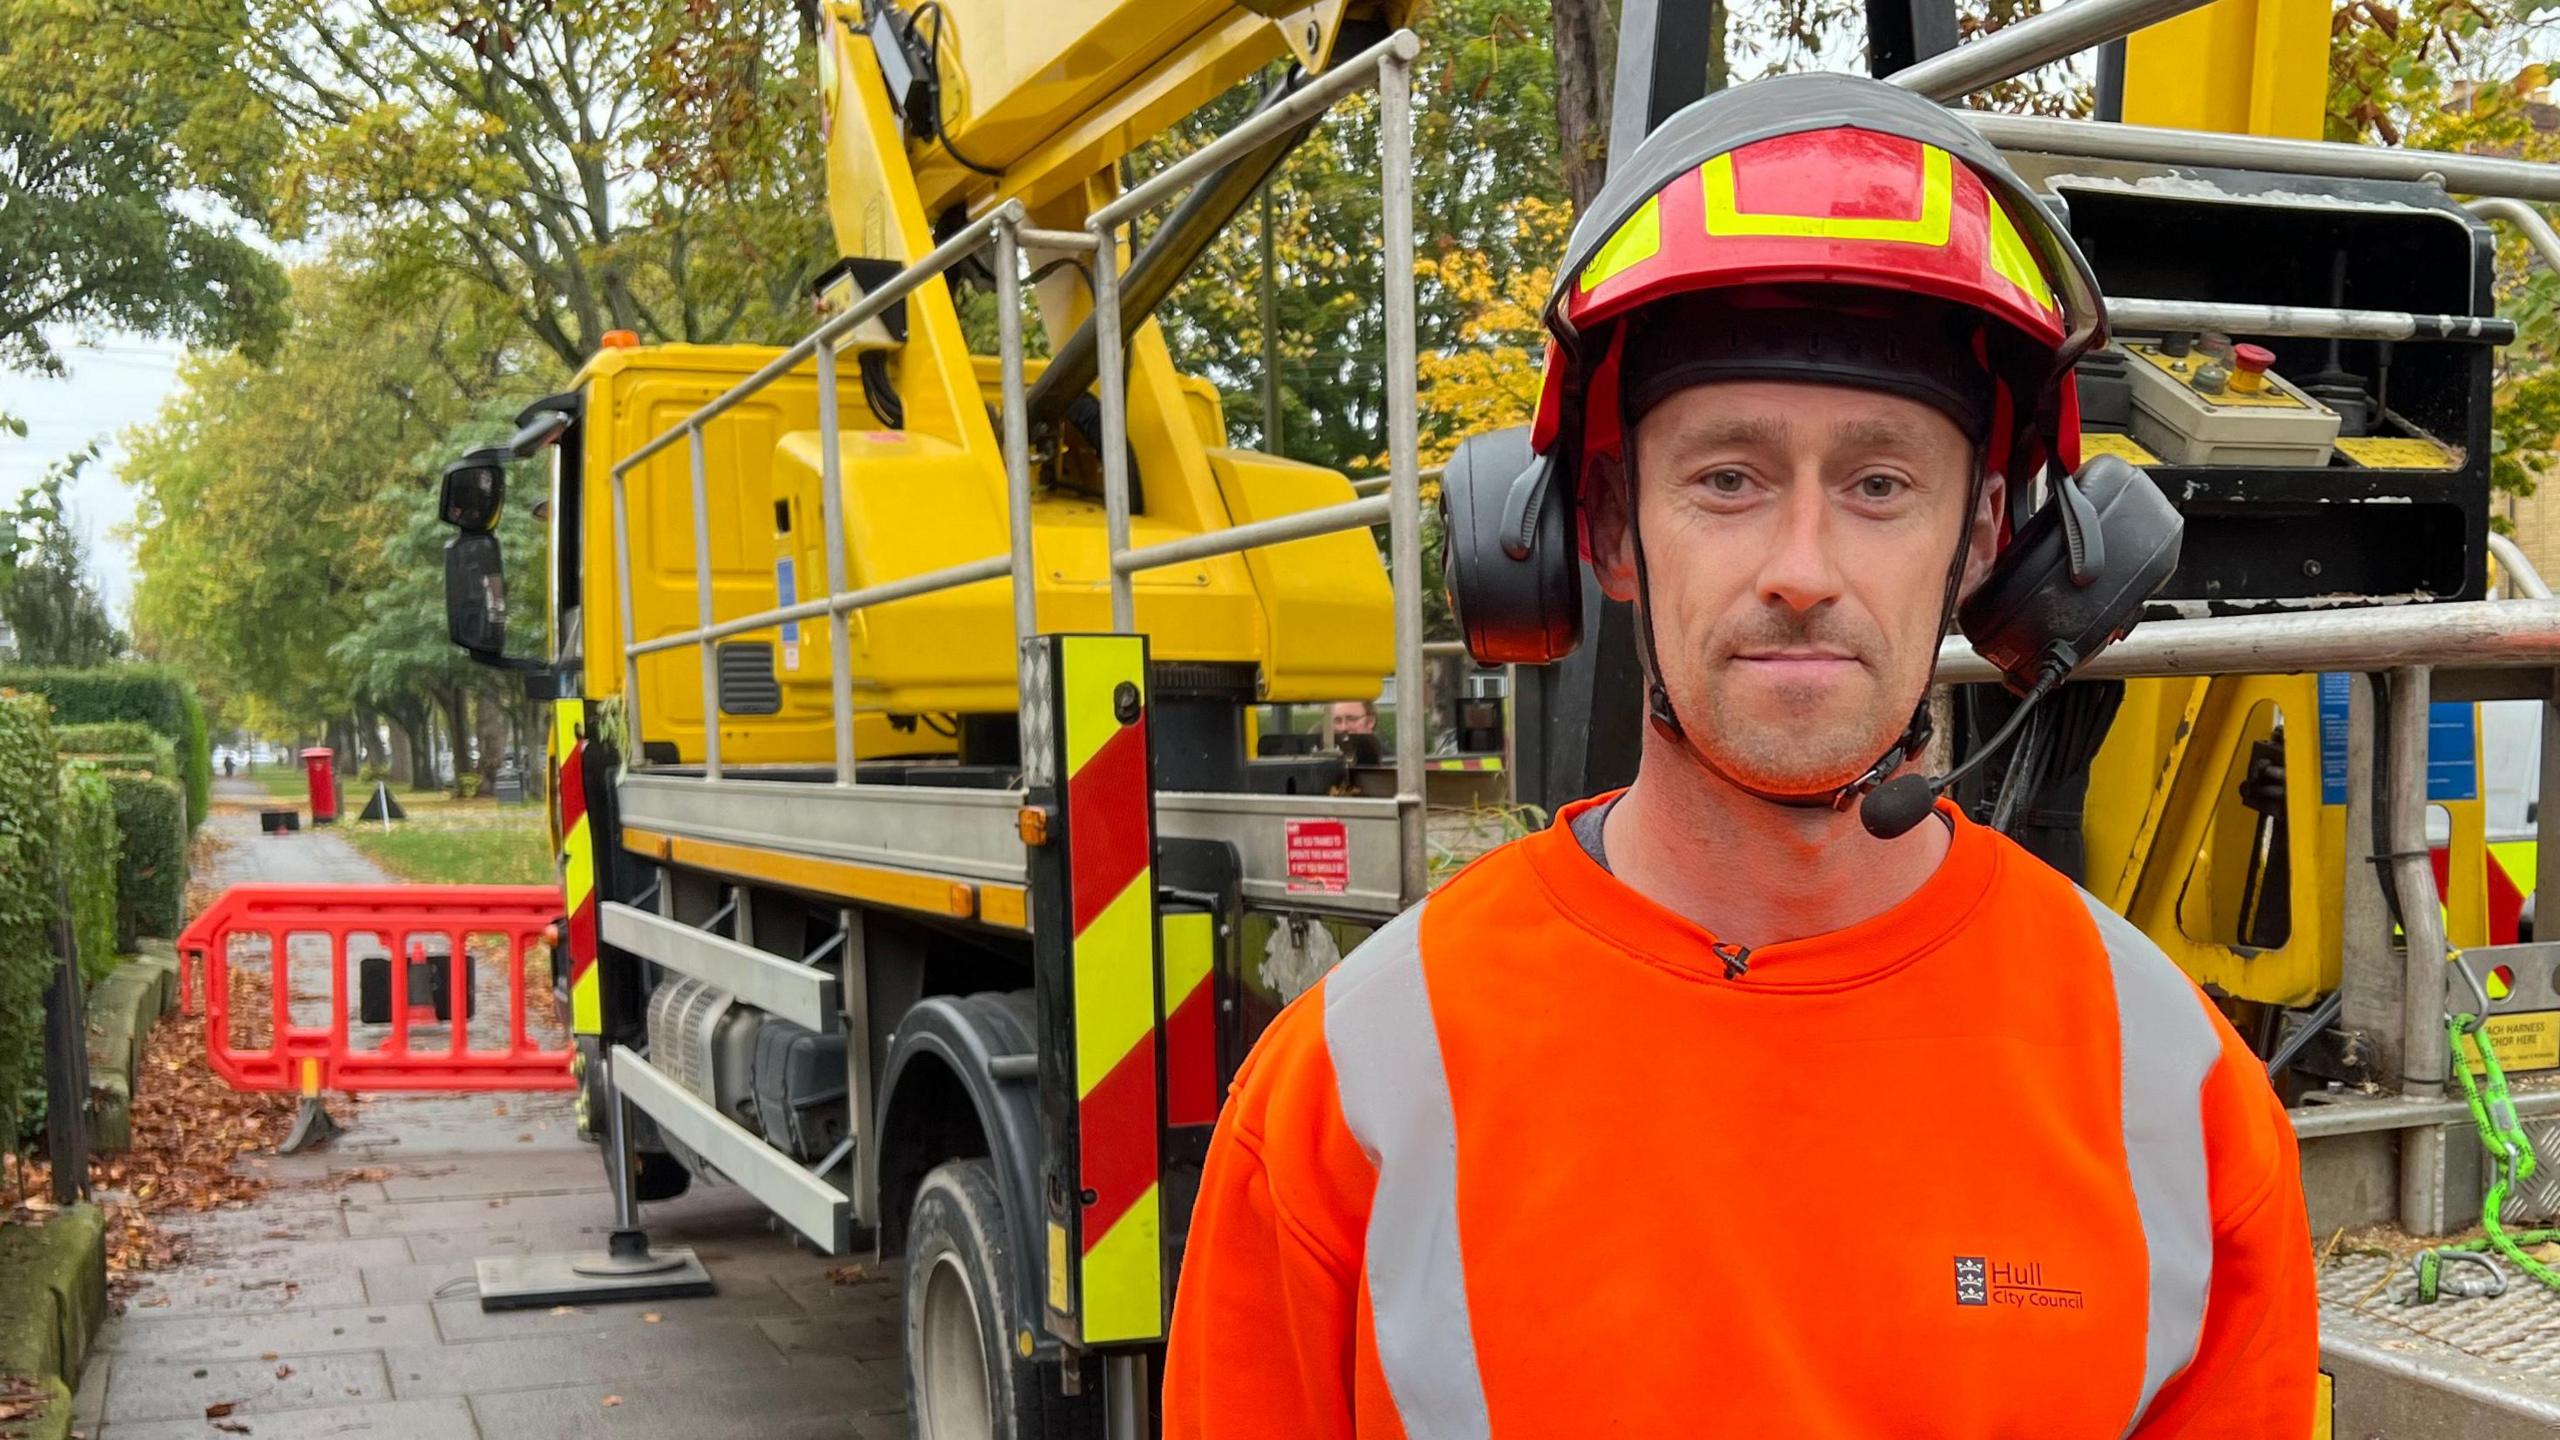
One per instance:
(1385, 67)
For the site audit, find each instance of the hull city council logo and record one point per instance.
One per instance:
(2021, 1286)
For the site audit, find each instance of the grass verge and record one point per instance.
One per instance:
(460, 846)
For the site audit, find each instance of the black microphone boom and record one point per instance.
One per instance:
(1891, 809)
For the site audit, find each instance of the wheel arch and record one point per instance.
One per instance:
(941, 1099)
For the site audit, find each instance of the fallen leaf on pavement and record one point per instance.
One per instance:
(651, 1318)
(284, 1372)
(231, 1427)
(219, 1408)
(612, 1400)
(845, 1274)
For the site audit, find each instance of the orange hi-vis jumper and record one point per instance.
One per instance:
(1529, 1164)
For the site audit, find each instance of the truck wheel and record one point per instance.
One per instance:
(656, 1175)
(965, 1380)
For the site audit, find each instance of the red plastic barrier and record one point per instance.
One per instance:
(311, 1058)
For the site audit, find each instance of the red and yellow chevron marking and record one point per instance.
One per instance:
(1190, 1019)
(577, 865)
(1112, 916)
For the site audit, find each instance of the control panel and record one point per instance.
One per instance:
(2206, 400)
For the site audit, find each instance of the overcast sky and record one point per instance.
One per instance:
(115, 381)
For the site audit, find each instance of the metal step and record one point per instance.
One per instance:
(806, 1203)
(801, 994)
(2485, 1368)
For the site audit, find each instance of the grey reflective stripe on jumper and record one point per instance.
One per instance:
(1395, 1100)
(2169, 1047)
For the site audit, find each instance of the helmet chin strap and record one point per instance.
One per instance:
(1665, 719)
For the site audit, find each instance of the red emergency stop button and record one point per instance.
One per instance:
(2249, 367)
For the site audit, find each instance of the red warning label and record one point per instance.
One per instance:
(1319, 855)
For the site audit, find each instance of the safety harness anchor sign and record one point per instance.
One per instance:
(1319, 855)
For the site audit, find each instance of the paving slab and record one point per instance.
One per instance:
(815, 1339)
(182, 1389)
(808, 1403)
(533, 1361)
(298, 1331)
(446, 1419)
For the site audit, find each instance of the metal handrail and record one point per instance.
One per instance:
(2159, 145)
(1305, 524)
(949, 253)
(2476, 634)
(845, 603)
(1357, 73)
(2522, 575)
(1388, 65)
(2016, 49)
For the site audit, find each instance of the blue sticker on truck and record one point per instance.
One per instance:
(787, 593)
(2453, 772)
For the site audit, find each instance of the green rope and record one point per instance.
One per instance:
(2493, 1111)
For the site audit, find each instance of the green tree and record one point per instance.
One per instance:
(94, 229)
(624, 165)
(267, 491)
(47, 593)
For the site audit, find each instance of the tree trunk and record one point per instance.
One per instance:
(403, 760)
(458, 735)
(489, 716)
(1586, 48)
(376, 755)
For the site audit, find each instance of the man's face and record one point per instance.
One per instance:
(1797, 539)
(1353, 718)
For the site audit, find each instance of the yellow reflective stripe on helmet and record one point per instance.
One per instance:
(2015, 262)
(1637, 241)
(1726, 218)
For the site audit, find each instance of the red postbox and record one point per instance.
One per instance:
(318, 764)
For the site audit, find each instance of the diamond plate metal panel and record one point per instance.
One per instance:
(2519, 1330)
(2537, 1201)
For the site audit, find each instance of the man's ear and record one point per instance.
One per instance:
(1604, 514)
(1982, 546)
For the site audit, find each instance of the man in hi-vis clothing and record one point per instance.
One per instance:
(1706, 1111)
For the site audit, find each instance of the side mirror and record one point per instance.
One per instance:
(475, 596)
(475, 491)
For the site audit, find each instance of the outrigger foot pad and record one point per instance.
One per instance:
(312, 1126)
(626, 1269)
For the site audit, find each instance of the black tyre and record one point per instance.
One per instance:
(656, 1175)
(965, 1378)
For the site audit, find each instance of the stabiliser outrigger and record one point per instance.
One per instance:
(945, 929)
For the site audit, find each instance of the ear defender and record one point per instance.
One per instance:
(2075, 577)
(1510, 557)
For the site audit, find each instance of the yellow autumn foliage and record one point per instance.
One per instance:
(1490, 377)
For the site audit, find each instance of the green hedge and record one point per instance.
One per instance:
(30, 819)
(91, 846)
(151, 877)
(153, 695)
(107, 737)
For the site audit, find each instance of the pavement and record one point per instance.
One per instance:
(341, 1302)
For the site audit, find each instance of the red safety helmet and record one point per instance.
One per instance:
(1824, 189)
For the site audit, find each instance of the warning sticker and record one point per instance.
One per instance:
(2529, 1041)
(1319, 855)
